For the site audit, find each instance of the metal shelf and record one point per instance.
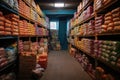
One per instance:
(104, 7)
(5, 5)
(7, 66)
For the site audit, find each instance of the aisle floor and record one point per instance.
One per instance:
(61, 66)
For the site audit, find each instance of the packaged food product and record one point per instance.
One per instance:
(115, 15)
(7, 24)
(7, 33)
(99, 21)
(117, 23)
(7, 21)
(108, 14)
(15, 30)
(116, 27)
(116, 10)
(14, 23)
(2, 18)
(116, 19)
(7, 29)
(1, 28)
(14, 27)
(2, 32)
(111, 24)
(108, 18)
(1, 23)
(107, 22)
(14, 33)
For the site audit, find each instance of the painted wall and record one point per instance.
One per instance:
(62, 33)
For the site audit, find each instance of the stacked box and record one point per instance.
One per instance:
(27, 64)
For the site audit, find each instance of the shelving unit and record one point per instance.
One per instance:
(7, 9)
(91, 17)
(108, 35)
(89, 2)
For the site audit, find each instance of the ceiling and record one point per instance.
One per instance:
(48, 8)
(49, 4)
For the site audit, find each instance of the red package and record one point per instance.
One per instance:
(108, 18)
(2, 18)
(2, 32)
(116, 10)
(116, 19)
(115, 15)
(1, 27)
(7, 33)
(7, 21)
(8, 25)
(14, 27)
(108, 14)
(7, 29)
(14, 23)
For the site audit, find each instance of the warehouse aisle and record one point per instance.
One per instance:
(61, 66)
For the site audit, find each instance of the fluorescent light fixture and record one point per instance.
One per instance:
(59, 5)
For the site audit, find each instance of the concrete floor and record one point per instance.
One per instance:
(61, 66)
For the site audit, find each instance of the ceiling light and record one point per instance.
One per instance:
(59, 5)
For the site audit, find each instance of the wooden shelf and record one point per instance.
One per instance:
(106, 6)
(8, 37)
(89, 2)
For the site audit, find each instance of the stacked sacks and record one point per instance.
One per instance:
(1, 23)
(8, 29)
(116, 18)
(14, 23)
(98, 23)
